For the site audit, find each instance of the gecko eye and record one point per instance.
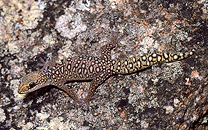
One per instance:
(32, 84)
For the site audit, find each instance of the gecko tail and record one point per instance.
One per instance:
(141, 62)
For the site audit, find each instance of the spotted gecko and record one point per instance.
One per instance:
(89, 68)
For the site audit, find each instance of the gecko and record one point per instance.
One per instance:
(90, 68)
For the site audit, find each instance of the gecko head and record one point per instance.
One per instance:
(32, 82)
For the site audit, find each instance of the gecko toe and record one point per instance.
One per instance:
(87, 100)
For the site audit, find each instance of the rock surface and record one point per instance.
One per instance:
(165, 96)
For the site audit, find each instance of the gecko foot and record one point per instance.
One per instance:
(74, 104)
(46, 63)
(115, 37)
(87, 100)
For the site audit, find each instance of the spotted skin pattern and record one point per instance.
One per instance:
(89, 68)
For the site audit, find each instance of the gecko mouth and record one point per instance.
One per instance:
(27, 88)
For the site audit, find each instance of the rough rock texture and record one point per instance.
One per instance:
(165, 96)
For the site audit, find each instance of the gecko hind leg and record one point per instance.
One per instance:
(46, 64)
(106, 49)
(93, 86)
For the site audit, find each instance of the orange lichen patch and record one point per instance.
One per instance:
(175, 21)
(168, 16)
(7, 37)
(83, 43)
(195, 74)
(19, 20)
(141, 89)
(122, 115)
(161, 48)
(148, 33)
(136, 12)
(145, 24)
(188, 82)
(108, 115)
(188, 92)
(20, 38)
(160, 9)
(139, 37)
(100, 14)
(17, 32)
(92, 10)
(120, 6)
(118, 1)
(9, 77)
(185, 23)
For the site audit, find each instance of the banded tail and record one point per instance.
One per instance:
(141, 62)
